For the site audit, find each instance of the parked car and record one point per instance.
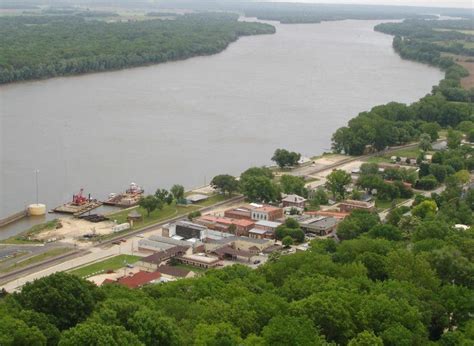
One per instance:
(116, 242)
(256, 262)
(123, 240)
(130, 266)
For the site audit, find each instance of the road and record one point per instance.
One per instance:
(14, 280)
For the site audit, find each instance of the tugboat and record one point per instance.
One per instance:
(129, 198)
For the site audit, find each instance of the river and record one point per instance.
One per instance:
(184, 122)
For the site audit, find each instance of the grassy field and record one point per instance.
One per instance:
(113, 263)
(36, 259)
(408, 152)
(378, 159)
(23, 237)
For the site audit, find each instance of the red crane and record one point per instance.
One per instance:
(79, 199)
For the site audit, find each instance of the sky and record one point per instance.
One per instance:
(427, 3)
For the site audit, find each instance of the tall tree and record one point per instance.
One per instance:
(65, 298)
(285, 158)
(150, 203)
(177, 191)
(225, 183)
(337, 183)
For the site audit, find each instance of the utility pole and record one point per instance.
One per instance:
(37, 189)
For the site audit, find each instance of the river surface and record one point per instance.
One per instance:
(184, 122)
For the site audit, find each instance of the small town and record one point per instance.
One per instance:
(231, 228)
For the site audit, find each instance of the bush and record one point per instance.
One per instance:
(427, 183)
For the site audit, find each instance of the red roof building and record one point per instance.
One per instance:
(137, 280)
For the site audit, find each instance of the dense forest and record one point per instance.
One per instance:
(286, 12)
(446, 107)
(33, 47)
(408, 281)
(430, 37)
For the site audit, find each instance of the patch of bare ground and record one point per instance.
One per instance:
(468, 63)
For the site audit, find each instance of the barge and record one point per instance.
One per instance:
(129, 198)
(79, 205)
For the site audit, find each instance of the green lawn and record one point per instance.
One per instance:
(35, 259)
(381, 204)
(113, 263)
(408, 152)
(378, 159)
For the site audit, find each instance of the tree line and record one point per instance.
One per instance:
(34, 47)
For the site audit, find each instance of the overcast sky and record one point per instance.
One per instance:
(429, 3)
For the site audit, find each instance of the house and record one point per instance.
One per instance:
(170, 273)
(200, 260)
(223, 224)
(242, 212)
(264, 229)
(256, 233)
(136, 280)
(349, 205)
(152, 262)
(293, 201)
(265, 212)
(320, 225)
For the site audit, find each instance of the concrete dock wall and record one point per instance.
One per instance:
(14, 217)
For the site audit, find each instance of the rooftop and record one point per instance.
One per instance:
(160, 256)
(139, 279)
(201, 258)
(170, 241)
(228, 250)
(134, 214)
(264, 208)
(196, 197)
(152, 244)
(265, 223)
(235, 238)
(321, 222)
(336, 214)
(293, 199)
(227, 221)
(257, 231)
